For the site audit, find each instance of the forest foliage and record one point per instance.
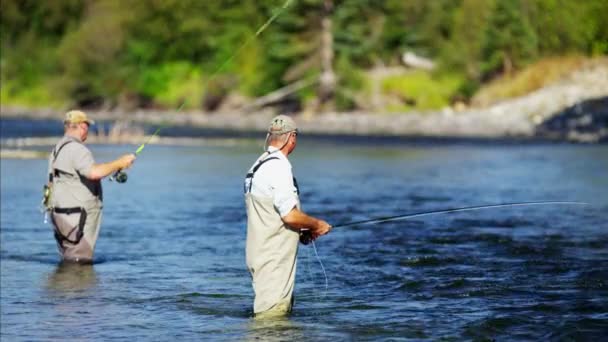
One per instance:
(159, 53)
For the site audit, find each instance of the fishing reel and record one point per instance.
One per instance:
(305, 236)
(119, 176)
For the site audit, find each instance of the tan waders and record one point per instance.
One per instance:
(272, 248)
(76, 231)
(76, 201)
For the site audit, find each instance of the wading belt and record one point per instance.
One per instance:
(255, 169)
(79, 228)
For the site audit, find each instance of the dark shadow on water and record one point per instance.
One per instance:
(71, 277)
(105, 259)
(46, 260)
(30, 258)
(275, 329)
(209, 304)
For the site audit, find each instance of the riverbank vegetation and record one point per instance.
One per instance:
(533, 77)
(318, 55)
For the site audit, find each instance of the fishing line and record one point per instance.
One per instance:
(257, 33)
(434, 212)
(310, 274)
(452, 210)
(310, 278)
(322, 268)
(120, 176)
(309, 271)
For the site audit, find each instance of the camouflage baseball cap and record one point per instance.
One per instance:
(282, 124)
(76, 116)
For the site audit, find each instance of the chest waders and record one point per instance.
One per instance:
(305, 235)
(67, 234)
(271, 252)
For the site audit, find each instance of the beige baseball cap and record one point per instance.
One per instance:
(282, 124)
(77, 116)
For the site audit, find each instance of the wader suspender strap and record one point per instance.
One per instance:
(80, 226)
(255, 169)
(56, 153)
(295, 183)
(250, 175)
(58, 172)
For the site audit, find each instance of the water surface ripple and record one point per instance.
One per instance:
(170, 260)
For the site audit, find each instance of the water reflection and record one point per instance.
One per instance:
(274, 329)
(461, 276)
(72, 277)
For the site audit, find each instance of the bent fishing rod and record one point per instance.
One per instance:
(306, 234)
(120, 176)
(452, 210)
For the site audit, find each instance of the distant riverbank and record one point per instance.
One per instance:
(581, 100)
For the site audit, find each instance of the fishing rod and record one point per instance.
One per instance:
(120, 176)
(305, 236)
(452, 210)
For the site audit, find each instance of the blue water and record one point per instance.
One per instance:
(170, 260)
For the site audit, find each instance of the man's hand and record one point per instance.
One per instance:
(308, 235)
(322, 228)
(126, 161)
(98, 171)
(310, 227)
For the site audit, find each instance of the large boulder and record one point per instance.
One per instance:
(585, 121)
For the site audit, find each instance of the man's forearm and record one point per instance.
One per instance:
(298, 219)
(99, 171)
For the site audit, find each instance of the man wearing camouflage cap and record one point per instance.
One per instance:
(275, 222)
(75, 197)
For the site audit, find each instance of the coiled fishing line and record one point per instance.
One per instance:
(311, 277)
(314, 247)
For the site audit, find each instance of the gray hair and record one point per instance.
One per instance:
(70, 125)
(278, 137)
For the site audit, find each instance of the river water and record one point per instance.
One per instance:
(170, 260)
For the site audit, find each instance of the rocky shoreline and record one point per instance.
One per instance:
(579, 101)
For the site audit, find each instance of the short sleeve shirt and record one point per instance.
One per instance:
(71, 186)
(274, 180)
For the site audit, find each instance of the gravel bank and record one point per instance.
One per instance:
(517, 118)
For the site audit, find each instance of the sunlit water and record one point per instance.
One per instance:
(170, 261)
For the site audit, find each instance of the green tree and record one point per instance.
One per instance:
(29, 33)
(562, 26)
(510, 41)
(90, 55)
(594, 18)
(464, 49)
(161, 52)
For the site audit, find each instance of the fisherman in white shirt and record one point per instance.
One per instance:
(275, 222)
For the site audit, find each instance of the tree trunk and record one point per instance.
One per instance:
(276, 95)
(507, 65)
(327, 79)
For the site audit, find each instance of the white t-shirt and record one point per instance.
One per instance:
(274, 180)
